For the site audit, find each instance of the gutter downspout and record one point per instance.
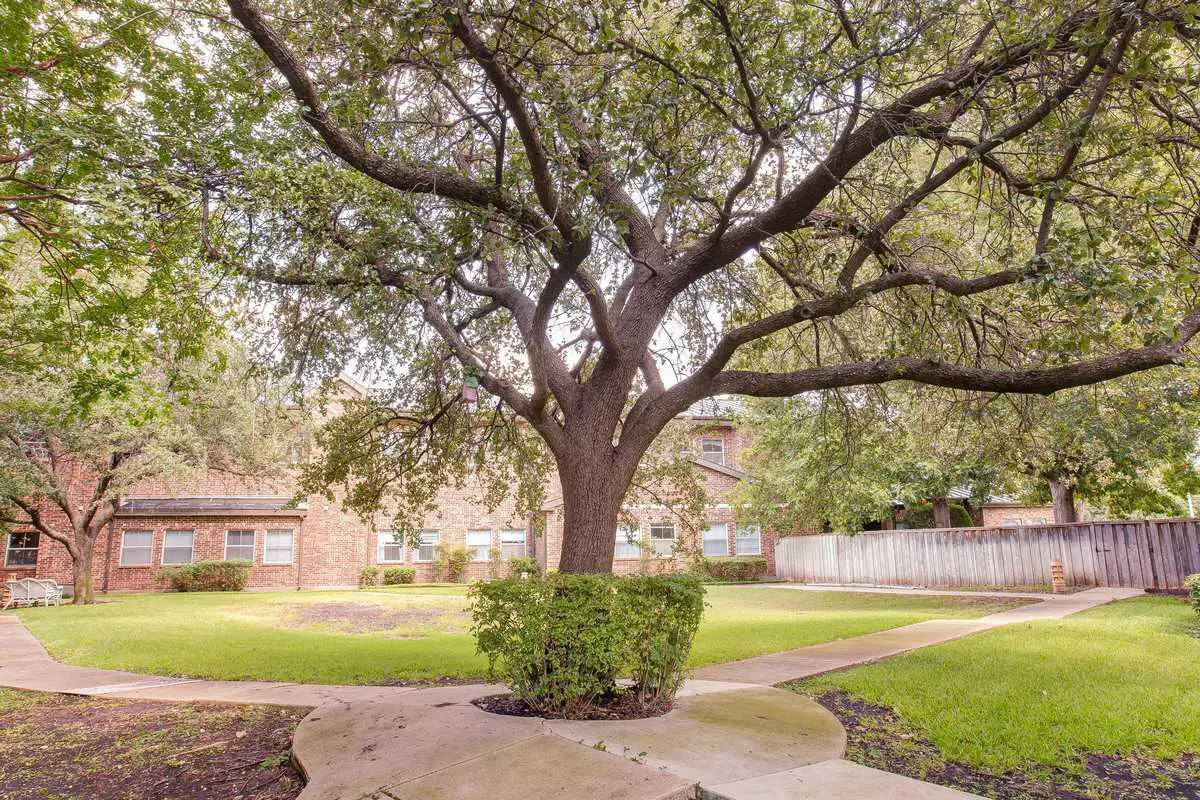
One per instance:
(300, 555)
(108, 554)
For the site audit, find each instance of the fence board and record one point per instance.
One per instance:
(1138, 553)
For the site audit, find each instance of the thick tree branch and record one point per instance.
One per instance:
(514, 101)
(406, 177)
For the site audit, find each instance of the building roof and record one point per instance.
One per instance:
(720, 407)
(211, 506)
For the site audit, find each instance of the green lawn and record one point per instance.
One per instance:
(1123, 679)
(415, 633)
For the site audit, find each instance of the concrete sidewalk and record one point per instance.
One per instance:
(731, 736)
(805, 662)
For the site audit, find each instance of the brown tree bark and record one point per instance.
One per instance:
(941, 513)
(83, 582)
(1062, 498)
(594, 485)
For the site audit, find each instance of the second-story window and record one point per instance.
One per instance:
(713, 449)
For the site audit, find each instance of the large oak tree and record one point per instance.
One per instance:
(597, 212)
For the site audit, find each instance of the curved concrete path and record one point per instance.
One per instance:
(732, 736)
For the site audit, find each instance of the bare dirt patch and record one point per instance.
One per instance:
(618, 705)
(63, 746)
(879, 738)
(349, 617)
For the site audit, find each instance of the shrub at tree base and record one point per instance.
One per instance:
(368, 577)
(207, 576)
(1193, 588)
(560, 641)
(397, 575)
(731, 568)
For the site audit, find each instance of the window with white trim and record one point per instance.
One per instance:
(716, 538)
(662, 539)
(427, 548)
(278, 547)
(391, 548)
(178, 546)
(629, 542)
(480, 545)
(512, 544)
(713, 449)
(239, 546)
(749, 539)
(137, 548)
(22, 550)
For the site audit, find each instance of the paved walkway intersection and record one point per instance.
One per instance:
(732, 736)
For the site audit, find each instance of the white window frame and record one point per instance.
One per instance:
(740, 536)
(191, 547)
(9, 549)
(434, 539)
(384, 540)
(481, 547)
(628, 537)
(654, 540)
(253, 543)
(715, 456)
(706, 538)
(267, 534)
(149, 548)
(510, 539)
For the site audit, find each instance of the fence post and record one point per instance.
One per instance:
(1151, 530)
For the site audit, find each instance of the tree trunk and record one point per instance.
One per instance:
(1062, 497)
(593, 490)
(941, 513)
(84, 590)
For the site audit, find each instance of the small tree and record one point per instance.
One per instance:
(848, 457)
(64, 468)
(1128, 446)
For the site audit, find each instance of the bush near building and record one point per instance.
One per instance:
(207, 576)
(731, 568)
(394, 576)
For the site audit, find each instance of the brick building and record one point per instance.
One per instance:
(313, 543)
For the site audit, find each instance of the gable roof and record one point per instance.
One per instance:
(211, 507)
(720, 407)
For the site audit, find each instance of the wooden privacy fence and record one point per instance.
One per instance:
(1150, 554)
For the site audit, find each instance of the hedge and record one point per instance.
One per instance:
(523, 567)
(731, 568)
(560, 641)
(207, 576)
(397, 575)
(1192, 582)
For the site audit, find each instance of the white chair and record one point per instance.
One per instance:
(32, 591)
(53, 592)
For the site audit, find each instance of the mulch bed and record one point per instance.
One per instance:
(620, 705)
(877, 737)
(63, 746)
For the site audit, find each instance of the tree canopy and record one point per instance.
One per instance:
(605, 214)
(847, 458)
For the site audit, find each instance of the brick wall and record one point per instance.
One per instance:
(331, 546)
(1002, 516)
